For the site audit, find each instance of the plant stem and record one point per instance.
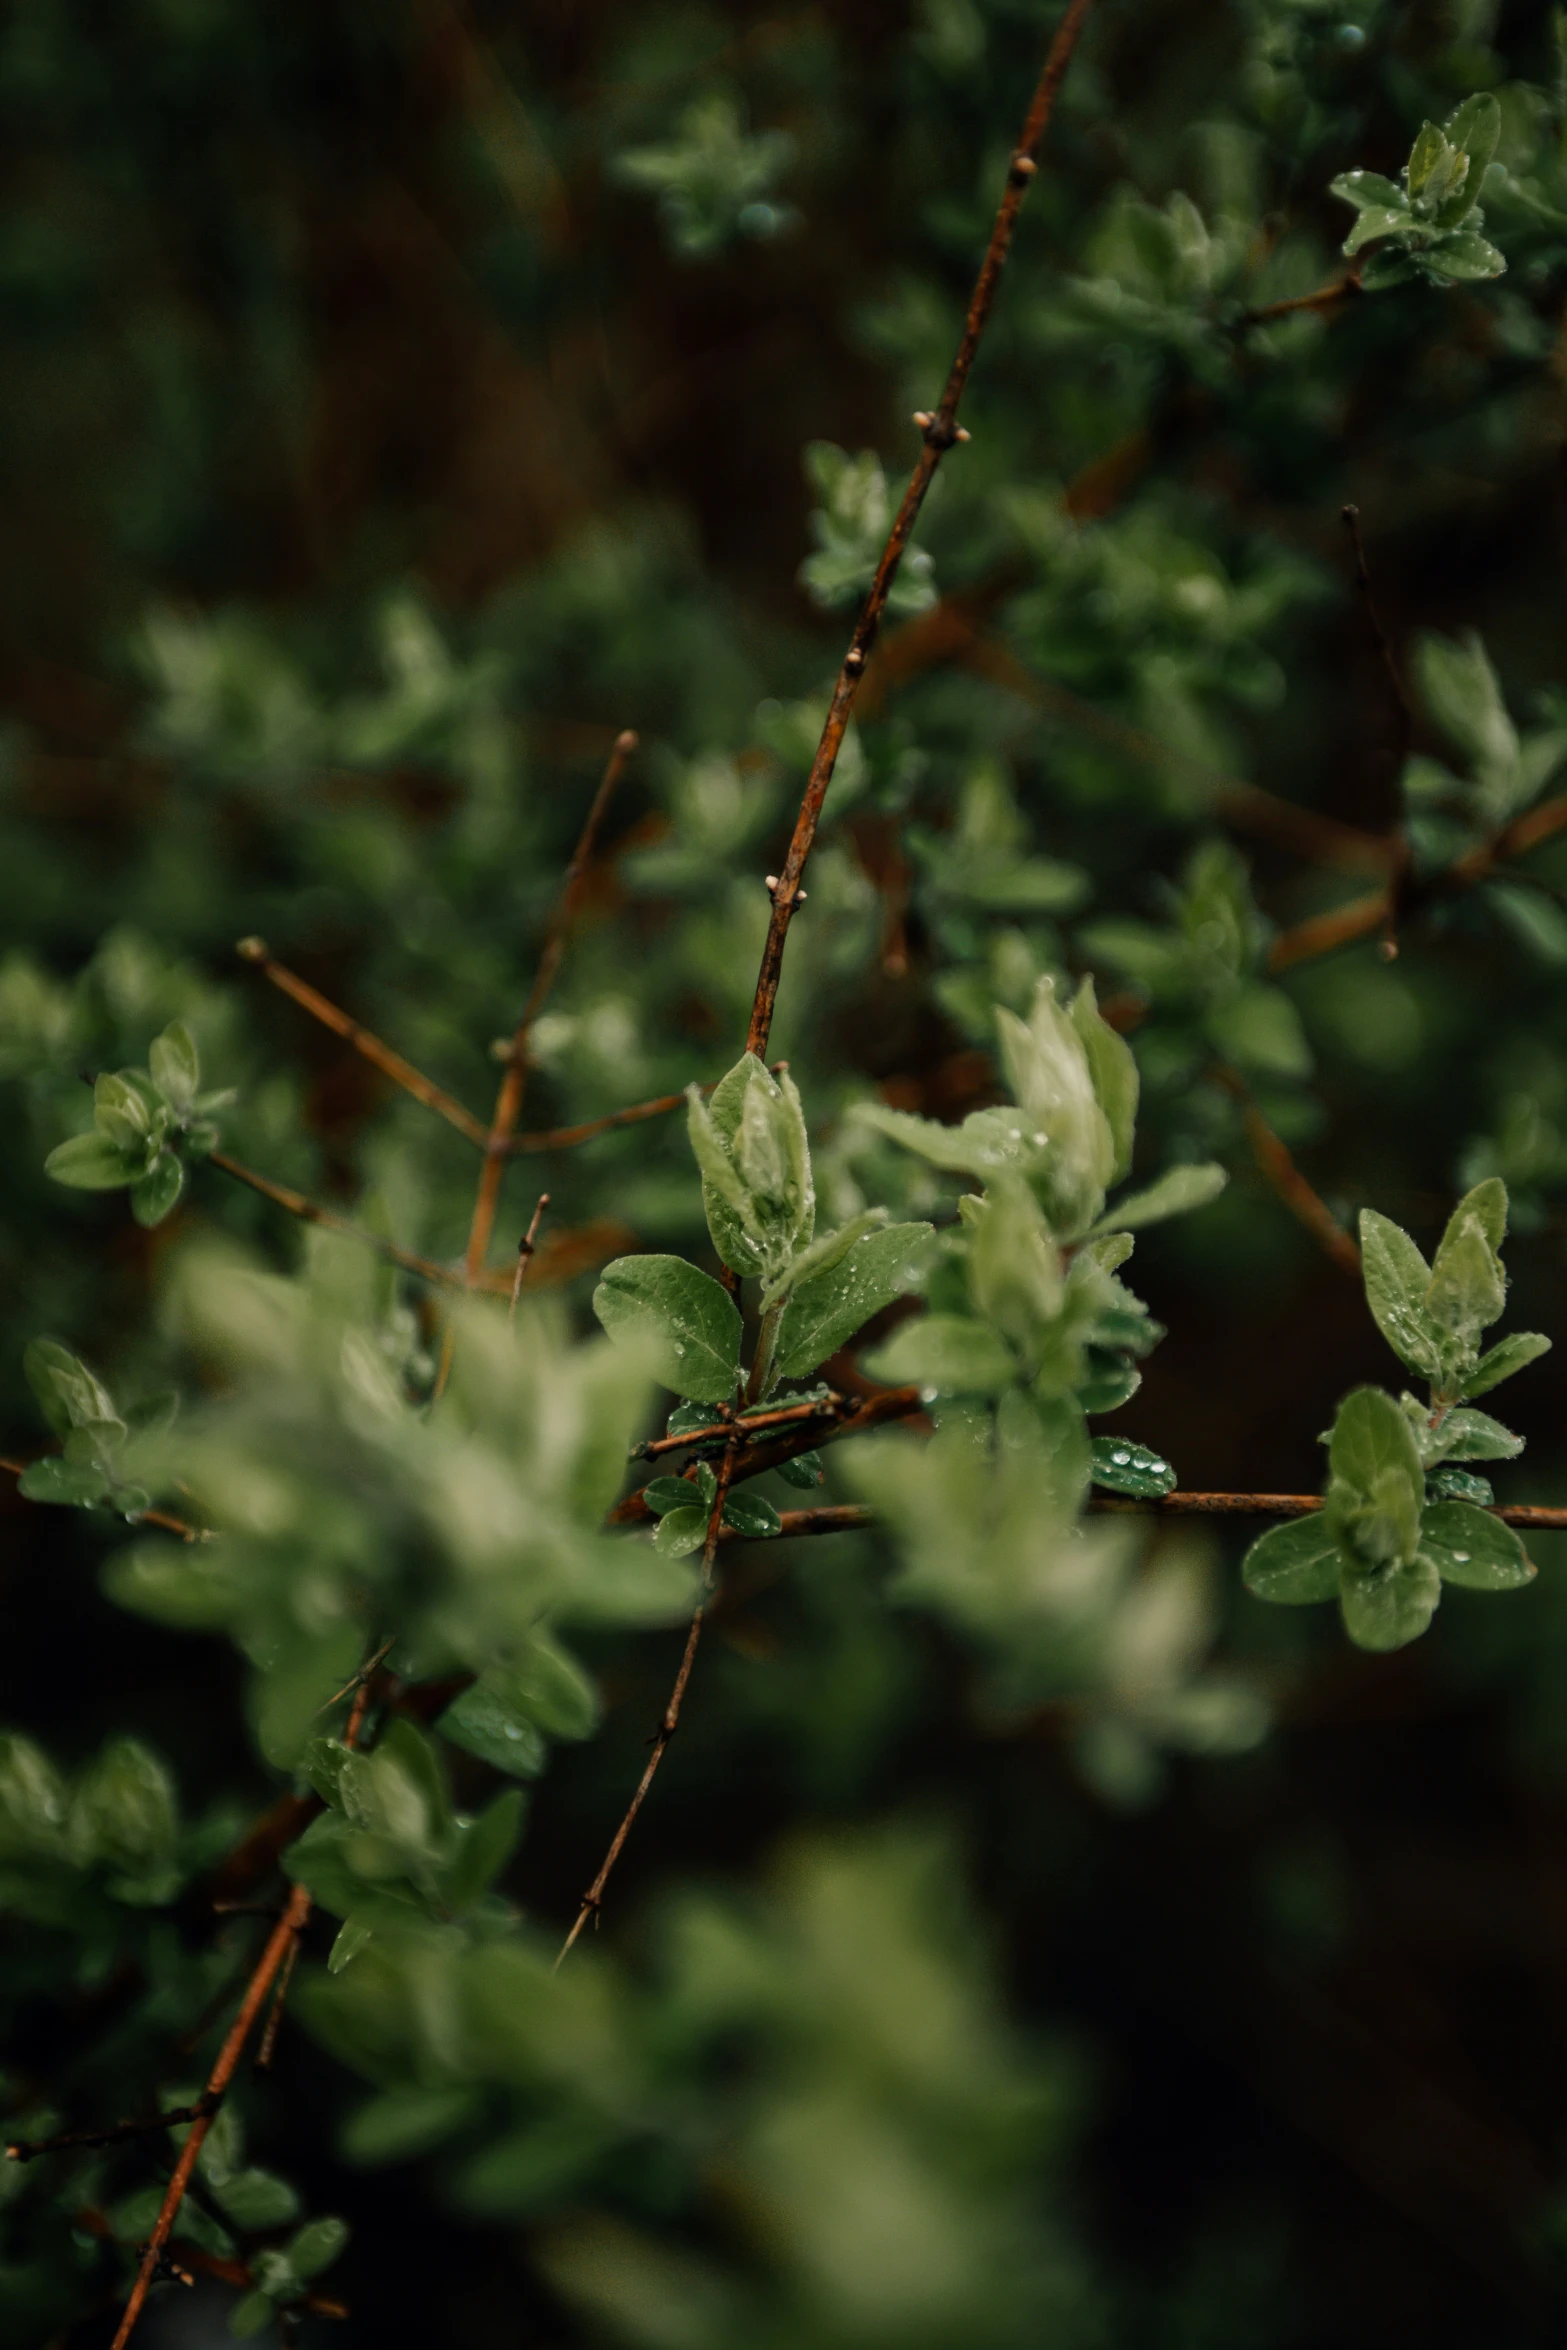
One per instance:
(364, 1041)
(940, 429)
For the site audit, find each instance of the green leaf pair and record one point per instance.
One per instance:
(1432, 222)
(1378, 1545)
(283, 2274)
(684, 1509)
(146, 1124)
(107, 1457)
(1432, 1315)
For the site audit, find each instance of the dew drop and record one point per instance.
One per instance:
(928, 1394)
(1462, 1557)
(1121, 1457)
(512, 1730)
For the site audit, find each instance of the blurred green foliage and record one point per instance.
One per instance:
(1027, 1935)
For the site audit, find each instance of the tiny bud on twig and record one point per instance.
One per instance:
(254, 950)
(627, 741)
(1023, 167)
(854, 660)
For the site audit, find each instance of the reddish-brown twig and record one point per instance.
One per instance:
(158, 1518)
(310, 1211)
(114, 2134)
(508, 1102)
(1273, 1158)
(1321, 298)
(565, 1138)
(525, 1248)
(279, 1942)
(669, 1723)
(1364, 917)
(281, 1946)
(753, 1424)
(364, 1041)
(939, 429)
(889, 1403)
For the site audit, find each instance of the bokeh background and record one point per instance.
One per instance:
(398, 402)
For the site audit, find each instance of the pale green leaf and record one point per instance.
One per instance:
(1176, 1193)
(174, 1065)
(1510, 1354)
(826, 1310)
(1397, 1278)
(948, 1353)
(1387, 1607)
(91, 1162)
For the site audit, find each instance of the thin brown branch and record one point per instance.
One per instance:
(565, 1138)
(525, 1248)
(939, 429)
(508, 1102)
(593, 1899)
(159, 1518)
(278, 1956)
(310, 1211)
(115, 2134)
(1364, 917)
(1323, 840)
(889, 1403)
(278, 1944)
(364, 1041)
(853, 1517)
(1321, 299)
(1278, 1167)
(826, 1407)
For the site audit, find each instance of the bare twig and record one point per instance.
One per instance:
(278, 1944)
(310, 1211)
(30, 2149)
(889, 1403)
(508, 1102)
(525, 1248)
(939, 429)
(565, 1138)
(1365, 917)
(592, 1900)
(364, 1041)
(852, 1517)
(1273, 1158)
(753, 1424)
(278, 1954)
(1322, 299)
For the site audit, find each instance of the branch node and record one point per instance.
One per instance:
(854, 660)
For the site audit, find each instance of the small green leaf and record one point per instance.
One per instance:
(1391, 267)
(949, 1353)
(804, 1471)
(1464, 257)
(1113, 1068)
(751, 1516)
(1378, 1486)
(121, 1111)
(1447, 1482)
(1176, 1193)
(1368, 190)
(663, 1494)
(158, 1190)
(1469, 1546)
(255, 2199)
(1387, 1607)
(1474, 1436)
(1375, 221)
(486, 1722)
(829, 1308)
(1397, 1278)
(252, 2315)
(681, 1532)
(321, 2241)
(823, 1253)
(1426, 158)
(70, 1394)
(1122, 1467)
(91, 1162)
(693, 1324)
(1514, 1353)
(1294, 1564)
(487, 1845)
(78, 1483)
(174, 1065)
(1476, 128)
